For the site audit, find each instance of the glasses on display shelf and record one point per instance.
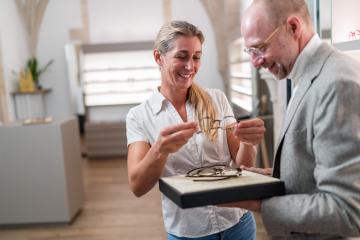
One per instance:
(207, 124)
(213, 173)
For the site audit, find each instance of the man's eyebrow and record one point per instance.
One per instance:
(185, 51)
(257, 45)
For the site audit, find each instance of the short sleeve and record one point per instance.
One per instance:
(134, 129)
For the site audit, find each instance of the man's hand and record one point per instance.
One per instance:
(263, 171)
(250, 131)
(252, 205)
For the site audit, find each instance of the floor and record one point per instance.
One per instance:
(110, 211)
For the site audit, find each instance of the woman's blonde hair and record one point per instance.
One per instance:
(198, 97)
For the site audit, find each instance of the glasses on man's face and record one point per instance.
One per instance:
(258, 50)
(213, 173)
(208, 124)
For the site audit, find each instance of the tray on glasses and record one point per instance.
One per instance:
(187, 193)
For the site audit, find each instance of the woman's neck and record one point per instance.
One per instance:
(177, 97)
(178, 100)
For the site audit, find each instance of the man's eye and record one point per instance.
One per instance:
(180, 57)
(197, 57)
(261, 48)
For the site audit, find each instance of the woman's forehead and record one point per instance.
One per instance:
(185, 43)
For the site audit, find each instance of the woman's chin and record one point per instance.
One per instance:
(184, 83)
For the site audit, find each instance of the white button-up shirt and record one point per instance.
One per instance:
(144, 123)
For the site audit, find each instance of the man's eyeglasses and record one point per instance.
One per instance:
(213, 173)
(207, 124)
(258, 50)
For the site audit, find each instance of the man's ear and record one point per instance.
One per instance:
(157, 57)
(294, 26)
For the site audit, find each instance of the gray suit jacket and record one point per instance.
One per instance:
(318, 155)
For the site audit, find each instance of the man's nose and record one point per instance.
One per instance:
(257, 61)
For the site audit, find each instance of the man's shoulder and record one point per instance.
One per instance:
(339, 59)
(340, 66)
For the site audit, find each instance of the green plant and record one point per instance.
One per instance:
(33, 66)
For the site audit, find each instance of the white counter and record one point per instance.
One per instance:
(40, 172)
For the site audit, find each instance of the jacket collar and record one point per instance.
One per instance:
(311, 71)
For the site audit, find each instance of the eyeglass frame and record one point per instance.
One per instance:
(255, 51)
(227, 127)
(216, 177)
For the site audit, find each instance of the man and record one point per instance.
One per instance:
(318, 155)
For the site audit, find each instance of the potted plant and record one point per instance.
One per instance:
(36, 71)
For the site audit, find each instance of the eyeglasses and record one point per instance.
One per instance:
(258, 50)
(207, 124)
(213, 173)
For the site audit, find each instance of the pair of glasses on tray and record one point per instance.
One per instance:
(213, 173)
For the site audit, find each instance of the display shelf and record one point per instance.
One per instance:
(348, 46)
(126, 75)
(30, 104)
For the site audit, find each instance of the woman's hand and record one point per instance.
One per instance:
(146, 163)
(172, 138)
(250, 131)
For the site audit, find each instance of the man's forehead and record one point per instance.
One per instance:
(254, 31)
(253, 20)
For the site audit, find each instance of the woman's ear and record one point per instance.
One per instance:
(157, 57)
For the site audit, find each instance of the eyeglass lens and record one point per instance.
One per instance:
(208, 124)
(213, 173)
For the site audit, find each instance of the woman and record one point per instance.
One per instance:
(162, 139)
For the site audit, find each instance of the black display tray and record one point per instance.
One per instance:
(187, 193)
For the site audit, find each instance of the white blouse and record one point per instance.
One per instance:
(144, 123)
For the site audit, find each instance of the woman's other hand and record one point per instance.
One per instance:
(250, 131)
(263, 171)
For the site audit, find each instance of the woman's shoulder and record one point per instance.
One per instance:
(150, 104)
(216, 94)
(137, 110)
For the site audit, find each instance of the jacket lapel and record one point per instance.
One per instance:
(312, 70)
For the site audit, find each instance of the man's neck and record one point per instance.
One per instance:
(305, 38)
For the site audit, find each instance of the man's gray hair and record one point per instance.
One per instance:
(279, 10)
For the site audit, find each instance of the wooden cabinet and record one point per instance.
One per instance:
(40, 172)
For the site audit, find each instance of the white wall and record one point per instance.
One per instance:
(59, 18)
(109, 21)
(123, 20)
(208, 75)
(14, 50)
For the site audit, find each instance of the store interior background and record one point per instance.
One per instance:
(72, 32)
